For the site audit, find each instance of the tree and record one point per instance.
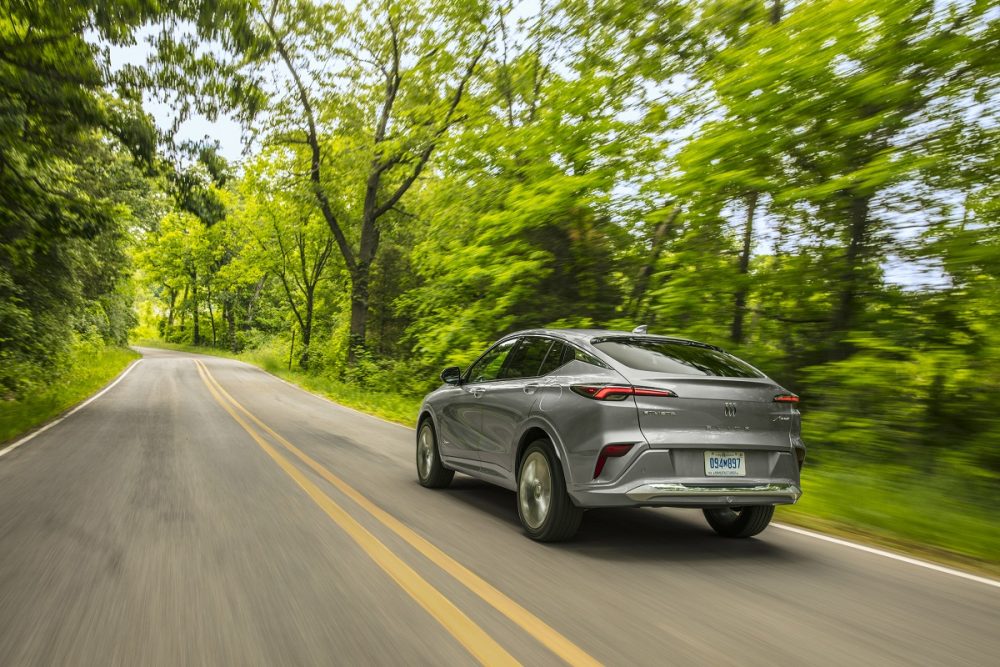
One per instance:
(365, 96)
(294, 242)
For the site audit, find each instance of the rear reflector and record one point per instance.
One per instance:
(610, 452)
(614, 392)
(786, 398)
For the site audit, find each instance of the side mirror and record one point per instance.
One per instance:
(452, 375)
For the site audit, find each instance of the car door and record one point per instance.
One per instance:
(458, 424)
(462, 423)
(507, 402)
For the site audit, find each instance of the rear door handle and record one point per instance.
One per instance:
(532, 388)
(477, 392)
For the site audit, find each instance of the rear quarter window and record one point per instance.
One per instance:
(675, 358)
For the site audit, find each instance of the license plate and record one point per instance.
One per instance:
(725, 464)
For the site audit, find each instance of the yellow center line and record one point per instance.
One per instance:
(534, 626)
(481, 645)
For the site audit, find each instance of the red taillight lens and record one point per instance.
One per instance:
(786, 398)
(646, 391)
(614, 392)
(610, 452)
(603, 393)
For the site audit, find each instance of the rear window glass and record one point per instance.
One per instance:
(661, 356)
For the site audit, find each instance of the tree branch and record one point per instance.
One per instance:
(313, 141)
(445, 125)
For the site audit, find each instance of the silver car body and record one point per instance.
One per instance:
(483, 428)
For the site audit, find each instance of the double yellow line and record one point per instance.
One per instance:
(480, 644)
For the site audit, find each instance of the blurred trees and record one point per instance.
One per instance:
(811, 183)
(72, 185)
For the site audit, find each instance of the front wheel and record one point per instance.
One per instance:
(739, 521)
(546, 510)
(430, 471)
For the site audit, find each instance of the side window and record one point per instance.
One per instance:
(554, 359)
(527, 357)
(489, 366)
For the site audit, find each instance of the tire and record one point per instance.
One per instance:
(545, 509)
(430, 471)
(739, 521)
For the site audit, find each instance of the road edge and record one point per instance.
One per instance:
(24, 438)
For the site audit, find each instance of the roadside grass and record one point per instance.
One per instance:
(395, 408)
(899, 508)
(90, 368)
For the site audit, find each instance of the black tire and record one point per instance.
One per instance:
(739, 521)
(430, 471)
(561, 518)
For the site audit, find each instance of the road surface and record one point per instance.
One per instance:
(202, 512)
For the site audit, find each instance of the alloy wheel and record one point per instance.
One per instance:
(535, 489)
(425, 452)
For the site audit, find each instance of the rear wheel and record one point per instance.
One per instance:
(546, 510)
(430, 471)
(739, 521)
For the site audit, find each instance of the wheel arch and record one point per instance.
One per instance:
(426, 414)
(532, 433)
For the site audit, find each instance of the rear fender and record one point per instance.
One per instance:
(536, 426)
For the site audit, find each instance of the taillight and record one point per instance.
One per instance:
(614, 392)
(786, 398)
(610, 452)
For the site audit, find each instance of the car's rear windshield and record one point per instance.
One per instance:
(674, 357)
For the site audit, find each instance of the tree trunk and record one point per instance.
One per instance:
(663, 230)
(740, 300)
(846, 312)
(184, 308)
(194, 293)
(211, 316)
(776, 10)
(359, 313)
(170, 309)
(230, 316)
(307, 330)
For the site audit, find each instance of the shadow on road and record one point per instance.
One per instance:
(645, 534)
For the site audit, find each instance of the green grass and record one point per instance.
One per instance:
(901, 509)
(90, 368)
(896, 508)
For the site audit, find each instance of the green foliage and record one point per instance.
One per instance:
(72, 185)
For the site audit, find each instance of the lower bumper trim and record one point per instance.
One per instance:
(787, 493)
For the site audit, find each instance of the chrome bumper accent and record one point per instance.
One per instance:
(667, 490)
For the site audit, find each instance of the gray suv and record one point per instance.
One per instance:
(572, 419)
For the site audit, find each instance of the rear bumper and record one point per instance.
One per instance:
(670, 493)
(676, 478)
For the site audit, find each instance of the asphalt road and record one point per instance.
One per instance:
(217, 516)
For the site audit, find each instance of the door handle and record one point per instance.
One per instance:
(532, 388)
(477, 392)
